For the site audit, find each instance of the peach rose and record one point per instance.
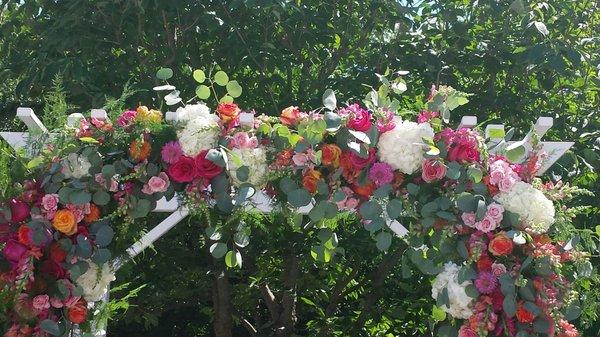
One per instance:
(64, 222)
(433, 170)
(310, 180)
(93, 215)
(331, 155)
(228, 111)
(290, 115)
(78, 312)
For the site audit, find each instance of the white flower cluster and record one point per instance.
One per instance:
(95, 281)
(534, 209)
(75, 166)
(256, 161)
(460, 302)
(400, 147)
(200, 131)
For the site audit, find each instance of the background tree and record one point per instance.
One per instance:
(521, 60)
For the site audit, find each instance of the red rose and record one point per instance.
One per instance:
(206, 168)
(362, 162)
(19, 210)
(433, 170)
(54, 269)
(13, 251)
(523, 315)
(364, 191)
(57, 254)
(78, 312)
(484, 263)
(24, 235)
(183, 171)
(331, 155)
(360, 120)
(463, 152)
(501, 245)
(228, 111)
(284, 158)
(310, 180)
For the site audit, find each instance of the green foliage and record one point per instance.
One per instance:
(56, 108)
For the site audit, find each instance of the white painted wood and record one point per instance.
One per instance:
(542, 125)
(27, 116)
(16, 140)
(74, 118)
(99, 114)
(467, 122)
(246, 119)
(493, 132)
(164, 205)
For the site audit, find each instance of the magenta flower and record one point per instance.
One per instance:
(381, 174)
(386, 122)
(486, 282)
(171, 152)
(426, 115)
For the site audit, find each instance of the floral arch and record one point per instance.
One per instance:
(479, 221)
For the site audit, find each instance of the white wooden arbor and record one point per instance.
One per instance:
(260, 201)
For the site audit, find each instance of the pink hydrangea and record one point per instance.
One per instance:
(381, 174)
(242, 140)
(171, 152)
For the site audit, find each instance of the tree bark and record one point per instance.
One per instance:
(222, 303)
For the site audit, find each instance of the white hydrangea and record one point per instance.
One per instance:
(460, 303)
(75, 166)
(95, 281)
(191, 111)
(201, 129)
(256, 161)
(400, 147)
(534, 209)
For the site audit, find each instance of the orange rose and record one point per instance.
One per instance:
(290, 115)
(93, 215)
(64, 222)
(364, 191)
(24, 234)
(501, 245)
(284, 158)
(139, 152)
(523, 315)
(331, 155)
(78, 312)
(310, 179)
(228, 111)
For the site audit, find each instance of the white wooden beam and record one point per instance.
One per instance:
(467, 122)
(27, 116)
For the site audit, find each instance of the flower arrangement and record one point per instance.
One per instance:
(481, 226)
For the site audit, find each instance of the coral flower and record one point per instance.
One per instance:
(139, 152)
(93, 215)
(310, 180)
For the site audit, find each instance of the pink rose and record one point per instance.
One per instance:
(463, 152)
(486, 225)
(495, 212)
(300, 159)
(41, 302)
(496, 176)
(126, 118)
(114, 185)
(19, 210)
(505, 184)
(432, 170)
(156, 184)
(498, 269)
(183, 170)
(466, 331)
(360, 119)
(469, 219)
(242, 140)
(50, 202)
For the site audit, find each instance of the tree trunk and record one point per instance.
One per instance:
(222, 303)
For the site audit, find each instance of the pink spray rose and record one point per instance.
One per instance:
(486, 225)
(466, 331)
(50, 202)
(495, 211)
(433, 170)
(156, 184)
(359, 118)
(41, 302)
(469, 219)
(242, 140)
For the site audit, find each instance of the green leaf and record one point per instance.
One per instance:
(515, 152)
(50, 327)
(370, 210)
(475, 174)
(221, 78)
(233, 259)
(80, 197)
(84, 248)
(234, 89)
(199, 76)
(329, 100)
(438, 314)
(226, 99)
(300, 197)
(164, 73)
(394, 208)
(241, 238)
(104, 236)
(332, 119)
(101, 256)
(509, 305)
(383, 241)
(218, 250)
(202, 91)
(242, 173)
(216, 157)
(101, 198)
(321, 253)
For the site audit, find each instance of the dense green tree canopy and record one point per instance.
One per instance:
(521, 60)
